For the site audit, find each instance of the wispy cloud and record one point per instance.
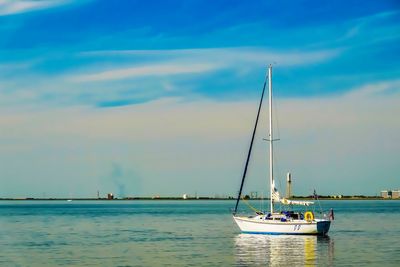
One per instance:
(356, 32)
(230, 55)
(382, 88)
(9, 7)
(154, 70)
(188, 61)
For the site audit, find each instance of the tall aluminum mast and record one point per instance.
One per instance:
(271, 140)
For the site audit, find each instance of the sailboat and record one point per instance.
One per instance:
(274, 222)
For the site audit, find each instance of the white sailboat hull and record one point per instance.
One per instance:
(259, 225)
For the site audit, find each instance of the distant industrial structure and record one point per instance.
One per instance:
(390, 194)
(288, 185)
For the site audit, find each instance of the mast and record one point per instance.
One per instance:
(271, 170)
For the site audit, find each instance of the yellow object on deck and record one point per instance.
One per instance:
(309, 216)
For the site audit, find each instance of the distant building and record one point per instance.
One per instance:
(396, 194)
(386, 194)
(110, 196)
(185, 196)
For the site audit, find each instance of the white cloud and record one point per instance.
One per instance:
(231, 55)
(9, 7)
(375, 89)
(228, 55)
(147, 70)
(187, 61)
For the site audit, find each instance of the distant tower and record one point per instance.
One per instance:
(288, 185)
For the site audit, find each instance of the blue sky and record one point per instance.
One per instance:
(143, 98)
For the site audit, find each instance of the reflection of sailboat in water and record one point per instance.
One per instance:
(283, 250)
(274, 222)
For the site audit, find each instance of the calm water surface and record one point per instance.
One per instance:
(187, 233)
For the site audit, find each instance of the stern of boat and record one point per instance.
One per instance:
(323, 226)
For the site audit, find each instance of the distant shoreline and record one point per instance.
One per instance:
(180, 198)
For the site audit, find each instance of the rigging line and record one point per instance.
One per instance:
(251, 146)
(319, 204)
(251, 207)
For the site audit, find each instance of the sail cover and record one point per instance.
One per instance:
(276, 198)
(295, 202)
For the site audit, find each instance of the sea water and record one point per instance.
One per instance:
(187, 233)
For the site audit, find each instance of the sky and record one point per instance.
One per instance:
(146, 98)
